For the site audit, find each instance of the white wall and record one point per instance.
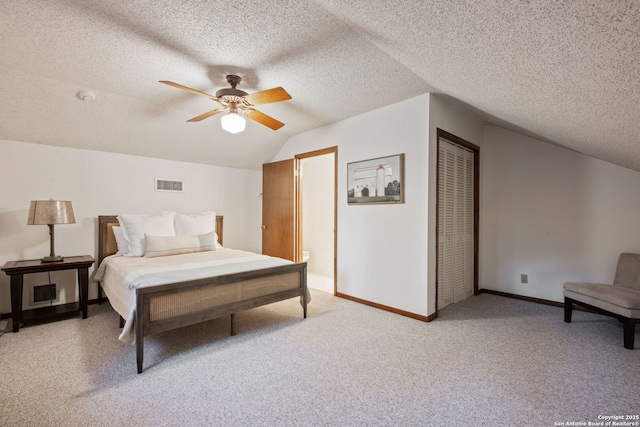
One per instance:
(317, 212)
(381, 248)
(553, 214)
(99, 183)
(545, 211)
(386, 253)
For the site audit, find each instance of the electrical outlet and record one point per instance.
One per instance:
(524, 278)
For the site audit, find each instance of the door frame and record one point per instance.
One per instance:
(298, 202)
(476, 201)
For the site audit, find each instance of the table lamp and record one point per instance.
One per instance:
(51, 212)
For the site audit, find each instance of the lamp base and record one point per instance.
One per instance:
(54, 258)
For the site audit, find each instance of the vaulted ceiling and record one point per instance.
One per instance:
(567, 72)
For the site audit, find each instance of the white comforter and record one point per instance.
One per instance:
(119, 276)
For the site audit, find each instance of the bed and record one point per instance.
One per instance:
(196, 291)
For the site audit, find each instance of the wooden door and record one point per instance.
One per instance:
(279, 209)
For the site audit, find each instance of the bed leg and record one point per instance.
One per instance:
(305, 292)
(139, 352)
(233, 323)
(139, 325)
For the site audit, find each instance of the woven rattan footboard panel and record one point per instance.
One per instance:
(201, 299)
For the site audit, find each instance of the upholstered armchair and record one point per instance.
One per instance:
(620, 299)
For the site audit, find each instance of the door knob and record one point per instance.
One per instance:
(264, 227)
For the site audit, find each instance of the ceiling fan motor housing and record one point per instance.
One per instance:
(230, 92)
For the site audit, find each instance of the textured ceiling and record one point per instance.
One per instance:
(567, 72)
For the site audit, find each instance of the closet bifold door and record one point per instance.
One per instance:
(455, 224)
(446, 212)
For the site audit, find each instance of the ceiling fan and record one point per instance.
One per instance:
(233, 99)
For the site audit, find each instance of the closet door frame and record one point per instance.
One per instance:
(442, 134)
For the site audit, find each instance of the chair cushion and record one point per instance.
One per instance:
(604, 296)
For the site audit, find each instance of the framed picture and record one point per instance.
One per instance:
(378, 180)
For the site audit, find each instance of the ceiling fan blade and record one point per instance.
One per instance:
(206, 115)
(268, 96)
(188, 89)
(262, 118)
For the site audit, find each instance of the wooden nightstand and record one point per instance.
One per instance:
(17, 269)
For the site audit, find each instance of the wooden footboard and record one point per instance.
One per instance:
(166, 307)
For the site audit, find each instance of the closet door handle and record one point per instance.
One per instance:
(264, 227)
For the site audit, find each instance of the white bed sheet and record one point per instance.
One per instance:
(119, 276)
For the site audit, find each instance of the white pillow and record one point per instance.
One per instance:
(121, 241)
(197, 224)
(208, 241)
(135, 226)
(173, 245)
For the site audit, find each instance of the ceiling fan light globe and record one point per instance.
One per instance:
(233, 122)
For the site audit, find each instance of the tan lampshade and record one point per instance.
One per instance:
(44, 212)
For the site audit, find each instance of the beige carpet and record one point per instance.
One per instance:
(488, 361)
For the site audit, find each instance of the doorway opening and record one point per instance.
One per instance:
(317, 216)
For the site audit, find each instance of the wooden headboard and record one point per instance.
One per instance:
(107, 241)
